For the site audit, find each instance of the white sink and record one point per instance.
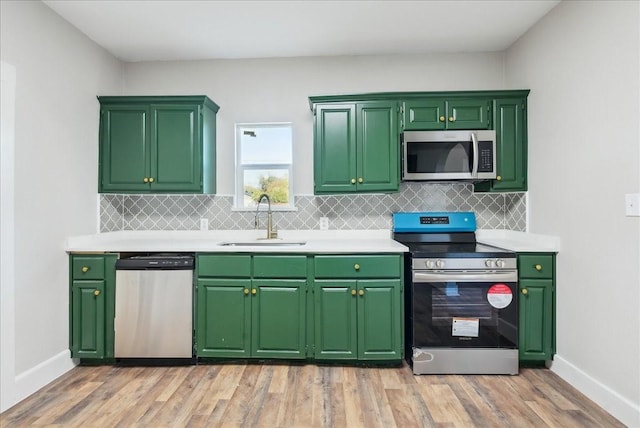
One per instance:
(263, 243)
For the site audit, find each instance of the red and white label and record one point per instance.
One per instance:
(499, 296)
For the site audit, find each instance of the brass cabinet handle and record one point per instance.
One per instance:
(145, 180)
(246, 291)
(451, 119)
(353, 292)
(525, 291)
(85, 269)
(151, 180)
(498, 178)
(254, 291)
(96, 292)
(361, 292)
(538, 268)
(441, 118)
(356, 266)
(360, 180)
(353, 181)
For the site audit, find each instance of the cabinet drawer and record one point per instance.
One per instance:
(354, 266)
(280, 266)
(232, 265)
(88, 267)
(535, 266)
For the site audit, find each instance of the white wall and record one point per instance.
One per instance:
(582, 64)
(278, 90)
(58, 73)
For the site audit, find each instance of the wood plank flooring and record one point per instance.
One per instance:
(302, 395)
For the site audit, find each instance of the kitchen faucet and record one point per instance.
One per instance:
(271, 232)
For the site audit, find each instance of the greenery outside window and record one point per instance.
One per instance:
(264, 164)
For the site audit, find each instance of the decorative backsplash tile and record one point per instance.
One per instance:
(362, 211)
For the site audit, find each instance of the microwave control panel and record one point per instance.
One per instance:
(485, 156)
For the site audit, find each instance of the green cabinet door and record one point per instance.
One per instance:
(469, 113)
(425, 114)
(336, 321)
(379, 320)
(223, 318)
(124, 148)
(278, 318)
(511, 146)
(378, 147)
(438, 113)
(535, 328)
(175, 154)
(88, 319)
(335, 148)
(356, 147)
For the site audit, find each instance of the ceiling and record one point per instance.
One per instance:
(151, 30)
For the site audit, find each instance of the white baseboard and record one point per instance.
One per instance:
(32, 380)
(620, 407)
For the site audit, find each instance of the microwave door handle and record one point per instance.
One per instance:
(474, 171)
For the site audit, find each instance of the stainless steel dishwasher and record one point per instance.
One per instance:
(154, 306)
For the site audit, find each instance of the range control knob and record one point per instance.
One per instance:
(500, 263)
(488, 263)
(430, 264)
(439, 263)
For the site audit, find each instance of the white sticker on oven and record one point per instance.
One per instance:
(499, 296)
(467, 327)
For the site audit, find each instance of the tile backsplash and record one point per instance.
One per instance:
(362, 211)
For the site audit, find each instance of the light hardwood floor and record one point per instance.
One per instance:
(299, 395)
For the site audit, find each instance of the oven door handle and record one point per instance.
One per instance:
(465, 277)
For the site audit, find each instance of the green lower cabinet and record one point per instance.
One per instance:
(92, 306)
(536, 341)
(358, 320)
(251, 315)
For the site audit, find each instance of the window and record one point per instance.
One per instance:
(263, 164)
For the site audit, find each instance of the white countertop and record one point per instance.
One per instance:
(315, 241)
(518, 241)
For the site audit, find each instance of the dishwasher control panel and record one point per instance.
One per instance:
(152, 261)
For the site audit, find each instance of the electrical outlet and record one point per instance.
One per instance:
(324, 223)
(204, 224)
(632, 204)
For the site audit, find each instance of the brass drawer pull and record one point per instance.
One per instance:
(85, 269)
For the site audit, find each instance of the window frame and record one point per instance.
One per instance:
(239, 169)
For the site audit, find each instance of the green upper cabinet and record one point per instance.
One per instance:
(356, 147)
(157, 144)
(438, 113)
(510, 120)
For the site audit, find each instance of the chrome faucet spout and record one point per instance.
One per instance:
(271, 232)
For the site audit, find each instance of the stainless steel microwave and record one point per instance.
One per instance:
(449, 155)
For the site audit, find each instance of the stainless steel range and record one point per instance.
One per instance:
(461, 299)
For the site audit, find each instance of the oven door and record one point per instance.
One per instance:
(464, 310)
